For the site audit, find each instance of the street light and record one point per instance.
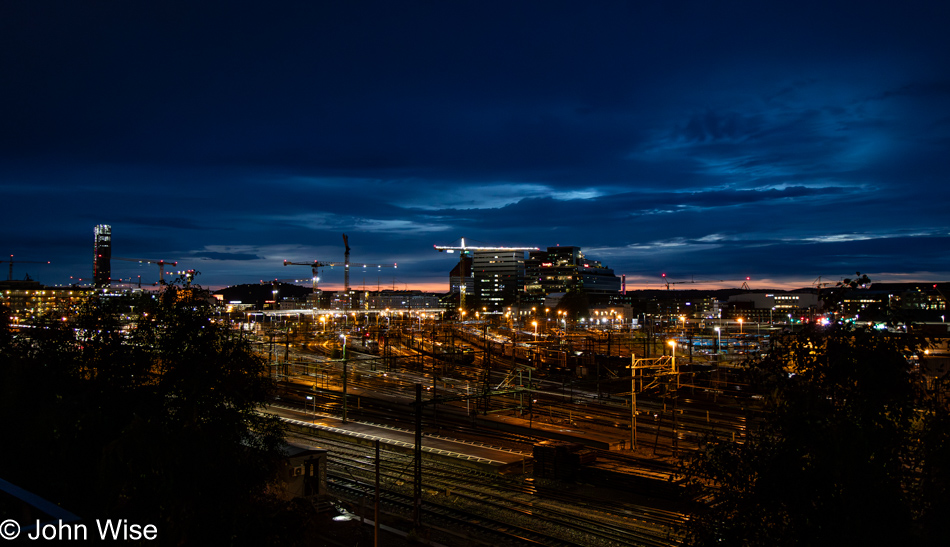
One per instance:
(672, 344)
(535, 323)
(343, 336)
(740, 325)
(718, 343)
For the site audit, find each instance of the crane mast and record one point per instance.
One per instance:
(346, 261)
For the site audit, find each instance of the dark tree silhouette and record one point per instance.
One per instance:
(850, 449)
(575, 304)
(146, 408)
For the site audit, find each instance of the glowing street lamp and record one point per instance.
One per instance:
(740, 325)
(535, 323)
(343, 336)
(672, 344)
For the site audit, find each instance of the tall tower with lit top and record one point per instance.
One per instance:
(102, 262)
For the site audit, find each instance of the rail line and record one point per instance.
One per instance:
(540, 515)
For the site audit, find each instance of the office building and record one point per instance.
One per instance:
(462, 273)
(561, 269)
(498, 277)
(102, 258)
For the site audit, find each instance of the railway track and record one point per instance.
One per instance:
(516, 511)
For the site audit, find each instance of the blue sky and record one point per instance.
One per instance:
(779, 141)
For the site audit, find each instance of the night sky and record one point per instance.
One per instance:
(708, 140)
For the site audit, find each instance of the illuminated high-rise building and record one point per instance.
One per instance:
(498, 277)
(102, 262)
(560, 269)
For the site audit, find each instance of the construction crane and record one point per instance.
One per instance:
(346, 262)
(10, 275)
(945, 301)
(316, 265)
(462, 249)
(819, 284)
(668, 282)
(161, 265)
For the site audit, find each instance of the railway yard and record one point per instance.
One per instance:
(483, 406)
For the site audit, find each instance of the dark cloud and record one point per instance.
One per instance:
(206, 255)
(177, 223)
(771, 136)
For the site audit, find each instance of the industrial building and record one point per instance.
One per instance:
(30, 299)
(770, 307)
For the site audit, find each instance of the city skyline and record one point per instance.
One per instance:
(777, 143)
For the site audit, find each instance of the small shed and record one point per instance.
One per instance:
(304, 473)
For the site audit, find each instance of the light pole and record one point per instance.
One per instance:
(343, 336)
(672, 344)
(535, 323)
(718, 343)
(740, 325)
(633, 402)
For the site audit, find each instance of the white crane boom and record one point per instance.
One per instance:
(463, 248)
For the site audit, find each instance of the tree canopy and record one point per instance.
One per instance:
(850, 448)
(575, 304)
(145, 408)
